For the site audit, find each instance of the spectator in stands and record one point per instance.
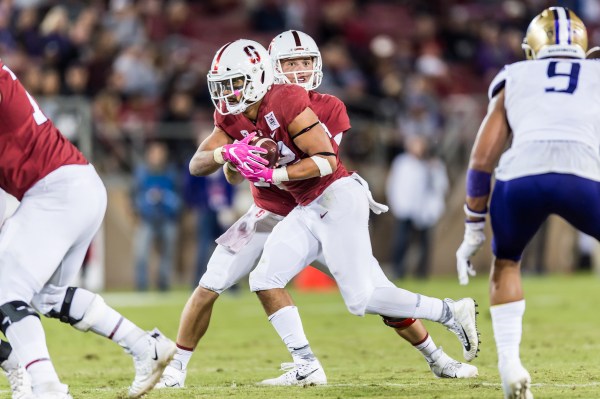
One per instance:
(416, 188)
(157, 202)
(76, 80)
(177, 127)
(125, 23)
(269, 16)
(211, 197)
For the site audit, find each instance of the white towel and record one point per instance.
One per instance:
(376, 207)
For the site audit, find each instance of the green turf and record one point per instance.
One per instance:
(362, 357)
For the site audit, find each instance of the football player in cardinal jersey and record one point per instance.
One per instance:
(331, 202)
(43, 244)
(549, 105)
(240, 247)
(297, 60)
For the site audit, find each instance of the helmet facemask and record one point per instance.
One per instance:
(309, 82)
(228, 95)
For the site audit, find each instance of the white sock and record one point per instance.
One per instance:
(28, 341)
(182, 357)
(426, 347)
(398, 302)
(288, 325)
(109, 323)
(507, 321)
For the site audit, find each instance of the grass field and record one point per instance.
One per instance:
(362, 357)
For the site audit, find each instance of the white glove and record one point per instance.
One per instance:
(473, 240)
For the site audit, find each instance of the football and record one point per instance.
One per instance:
(272, 154)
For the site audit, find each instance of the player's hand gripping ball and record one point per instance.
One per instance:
(272, 155)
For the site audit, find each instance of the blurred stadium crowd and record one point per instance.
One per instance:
(116, 74)
(403, 67)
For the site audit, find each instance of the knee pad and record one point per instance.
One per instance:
(13, 312)
(397, 323)
(5, 351)
(93, 312)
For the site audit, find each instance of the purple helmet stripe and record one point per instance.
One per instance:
(568, 25)
(556, 27)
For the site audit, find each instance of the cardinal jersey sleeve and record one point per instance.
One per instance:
(331, 112)
(289, 101)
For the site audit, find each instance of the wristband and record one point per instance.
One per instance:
(474, 214)
(478, 183)
(280, 175)
(218, 156)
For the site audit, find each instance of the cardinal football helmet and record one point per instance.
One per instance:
(556, 32)
(240, 75)
(296, 44)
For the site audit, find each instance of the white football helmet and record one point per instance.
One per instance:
(555, 32)
(296, 44)
(240, 75)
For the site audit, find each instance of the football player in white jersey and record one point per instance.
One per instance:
(548, 105)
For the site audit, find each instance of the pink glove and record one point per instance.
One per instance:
(265, 175)
(243, 155)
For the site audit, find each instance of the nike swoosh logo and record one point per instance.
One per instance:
(303, 377)
(272, 135)
(155, 357)
(468, 344)
(323, 215)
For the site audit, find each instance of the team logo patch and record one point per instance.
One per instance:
(271, 120)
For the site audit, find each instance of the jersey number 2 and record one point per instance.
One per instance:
(38, 115)
(573, 76)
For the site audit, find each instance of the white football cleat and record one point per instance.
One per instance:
(173, 376)
(52, 390)
(464, 324)
(18, 378)
(310, 373)
(443, 366)
(516, 381)
(155, 351)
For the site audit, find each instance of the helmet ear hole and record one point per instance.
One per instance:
(262, 77)
(529, 54)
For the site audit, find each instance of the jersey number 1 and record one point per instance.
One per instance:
(38, 115)
(573, 76)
